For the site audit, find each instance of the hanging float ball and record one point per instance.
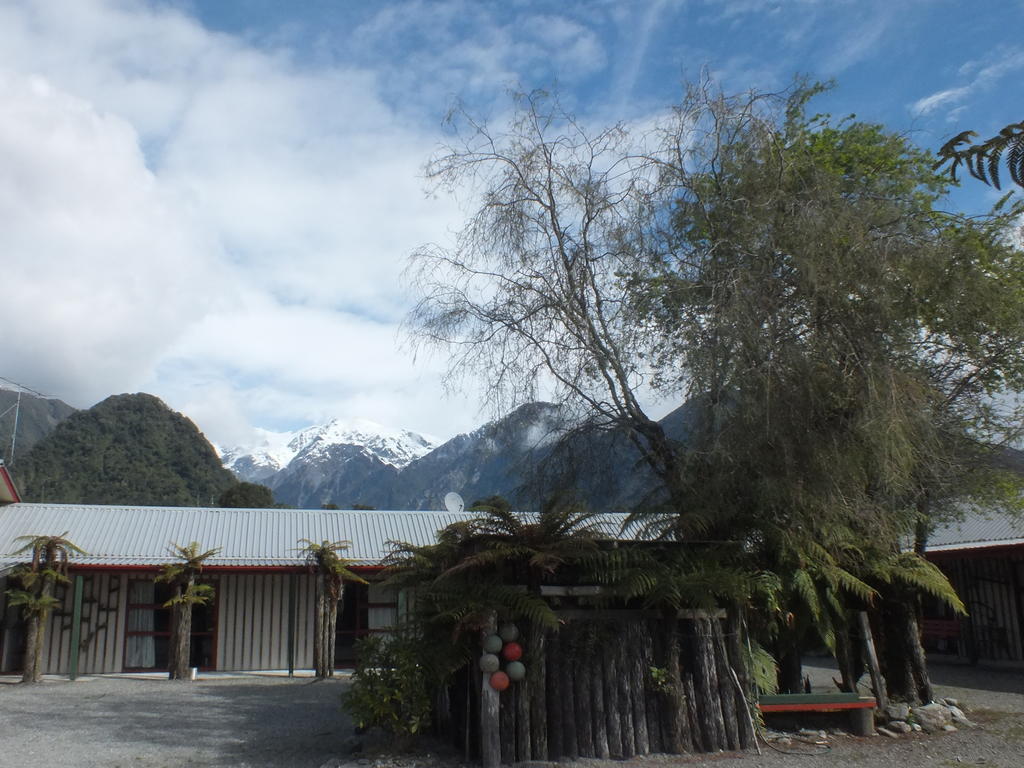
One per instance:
(512, 651)
(508, 632)
(516, 671)
(492, 644)
(489, 663)
(499, 681)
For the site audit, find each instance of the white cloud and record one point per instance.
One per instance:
(982, 76)
(103, 268)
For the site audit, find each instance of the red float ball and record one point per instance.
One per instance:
(499, 681)
(512, 651)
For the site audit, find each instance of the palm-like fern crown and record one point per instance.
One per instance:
(982, 160)
(48, 552)
(190, 562)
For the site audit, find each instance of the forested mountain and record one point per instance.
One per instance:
(128, 449)
(36, 418)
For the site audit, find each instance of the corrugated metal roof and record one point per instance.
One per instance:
(978, 529)
(116, 535)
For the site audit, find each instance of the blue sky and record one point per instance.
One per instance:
(213, 200)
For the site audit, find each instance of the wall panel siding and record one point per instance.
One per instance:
(252, 629)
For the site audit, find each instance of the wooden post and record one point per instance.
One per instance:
(726, 686)
(741, 678)
(651, 696)
(597, 678)
(624, 666)
(536, 675)
(709, 705)
(613, 713)
(490, 735)
(523, 691)
(581, 693)
(877, 681)
(507, 725)
(570, 739)
(76, 627)
(553, 721)
(637, 693)
(292, 608)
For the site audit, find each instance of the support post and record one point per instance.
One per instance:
(292, 607)
(76, 626)
(877, 681)
(490, 735)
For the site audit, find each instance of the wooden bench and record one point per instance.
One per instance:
(860, 708)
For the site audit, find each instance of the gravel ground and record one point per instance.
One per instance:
(274, 722)
(117, 722)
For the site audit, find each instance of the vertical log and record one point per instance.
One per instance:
(523, 690)
(745, 696)
(624, 665)
(709, 707)
(553, 722)
(490, 736)
(582, 670)
(536, 674)
(597, 678)
(637, 692)
(651, 694)
(507, 726)
(612, 711)
(877, 681)
(726, 687)
(570, 743)
(700, 741)
(674, 717)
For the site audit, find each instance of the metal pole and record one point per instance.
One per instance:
(14, 432)
(292, 607)
(76, 626)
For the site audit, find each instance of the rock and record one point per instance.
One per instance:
(897, 710)
(887, 732)
(949, 728)
(784, 741)
(932, 716)
(900, 726)
(917, 727)
(959, 717)
(951, 702)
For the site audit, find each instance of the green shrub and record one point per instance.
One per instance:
(390, 687)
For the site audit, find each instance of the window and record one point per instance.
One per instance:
(148, 631)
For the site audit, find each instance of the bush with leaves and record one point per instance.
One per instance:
(391, 686)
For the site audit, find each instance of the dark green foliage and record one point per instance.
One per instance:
(247, 496)
(392, 683)
(128, 449)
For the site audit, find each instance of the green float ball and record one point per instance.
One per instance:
(508, 632)
(515, 670)
(489, 663)
(492, 644)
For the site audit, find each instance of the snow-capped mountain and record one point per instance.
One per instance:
(275, 458)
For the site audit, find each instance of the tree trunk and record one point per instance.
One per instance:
(181, 634)
(325, 625)
(709, 705)
(570, 743)
(652, 701)
(624, 667)
(32, 672)
(597, 678)
(791, 679)
(906, 671)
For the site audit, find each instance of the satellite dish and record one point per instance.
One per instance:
(454, 503)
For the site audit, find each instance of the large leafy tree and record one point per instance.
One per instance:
(331, 571)
(182, 575)
(846, 339)
(39, 580)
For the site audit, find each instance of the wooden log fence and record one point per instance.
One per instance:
(610, 687)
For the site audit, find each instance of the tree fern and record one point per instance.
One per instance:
(982, 161)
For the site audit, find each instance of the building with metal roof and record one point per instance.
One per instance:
(262, 616)
(982, 554)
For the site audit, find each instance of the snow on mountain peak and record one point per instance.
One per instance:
(273, 451)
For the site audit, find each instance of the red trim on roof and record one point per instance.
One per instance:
(975, 550)
(367, 569)
(5, 476)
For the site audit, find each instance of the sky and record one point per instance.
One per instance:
(214, 200)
